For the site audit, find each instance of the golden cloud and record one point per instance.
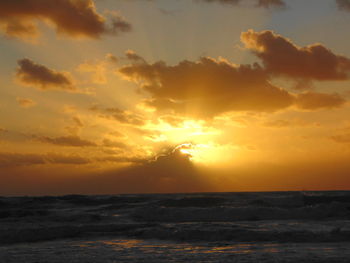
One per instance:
(315, 100)
(70, 140)
(207, 87)
(25, 103)
(8, 159)
(74, 18)
(122, 116)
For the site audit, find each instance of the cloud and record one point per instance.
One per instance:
(315, 101)
(342, 135)
(73, 18)
(70, 140)
(281, 56)
(207, 87)
(76, 127)
(78, 122)
(232, 2)
(26, 159)
(111, 58)
(119, 115)
(171, 171)
(271, 3)
(132, 56)
(25, 103)
(257, 3)
(344, 5)
(114, 144)
(210, 87)
(41, 77)
(97, 71)
(281, 123)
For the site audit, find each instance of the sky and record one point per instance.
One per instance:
(160, 96)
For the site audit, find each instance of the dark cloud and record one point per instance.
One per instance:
(315, 101)
(78, 122)
(257, 3)
(119, 115)
(132, 56)
(169, 172)
(207, 87)
(25, 159)
(75, 127)
(74, 18)
(232, 2)
(41, 77)
(344, 5)
(271, 3)
(281, 56)
(121, 159)
(114, 144)
(54, 158)
(111, 58)
(25, 103)
(70, 140)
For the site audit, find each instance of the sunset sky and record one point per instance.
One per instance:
(143, 96)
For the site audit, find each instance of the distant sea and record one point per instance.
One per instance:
(204, 227)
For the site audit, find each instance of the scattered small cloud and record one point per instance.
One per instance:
(41, 77)
(8, 159)
(70, 140)
(25, 102)
(315, 101)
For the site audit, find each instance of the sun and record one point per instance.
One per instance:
(195, 152)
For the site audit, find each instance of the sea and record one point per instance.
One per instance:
(308, 226)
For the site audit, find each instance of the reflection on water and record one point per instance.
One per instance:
(140, 250)
(152, 247)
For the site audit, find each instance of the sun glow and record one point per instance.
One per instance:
(196, 152)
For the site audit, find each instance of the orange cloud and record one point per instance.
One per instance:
(71, 140)
(25, 159)
(97, 70)
(207, 87)
(74, 18)
(315, 101)
(25, 103)
(119, 115)
(281, 56)
(41, 77)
